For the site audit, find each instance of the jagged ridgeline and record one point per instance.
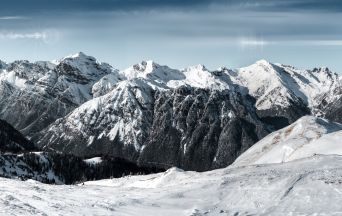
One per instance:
(192, 118)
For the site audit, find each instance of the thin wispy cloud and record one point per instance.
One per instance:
(321, 42)
(33, 35)
(12, 17)
(211, 32)
(261, 43)
(253, 42)
(48, 36)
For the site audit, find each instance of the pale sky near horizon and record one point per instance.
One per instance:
(178, 33)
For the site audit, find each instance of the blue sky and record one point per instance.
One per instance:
(179, 33)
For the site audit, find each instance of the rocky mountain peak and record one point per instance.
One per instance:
(79, 56)
(325, 73)
(199, 67)
(263, 62)
(81, 68)
(146, 66)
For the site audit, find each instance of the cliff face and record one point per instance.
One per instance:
(200, 129)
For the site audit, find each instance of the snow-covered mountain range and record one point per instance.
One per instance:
(193, 118)
(33, 95)
(279, 128)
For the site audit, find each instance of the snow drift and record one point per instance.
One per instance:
(309, 186)
(306, 137)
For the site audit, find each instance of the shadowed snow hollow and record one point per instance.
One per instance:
(304, 138)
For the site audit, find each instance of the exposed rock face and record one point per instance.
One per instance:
(12, 140)
(334, 111)
(191, 128)
(2, 65)
(284, 93)
(199, 129)
(330, 104)
(116, 124)
(19, 158)
(280, 117)
(193, 118)
(34, 95)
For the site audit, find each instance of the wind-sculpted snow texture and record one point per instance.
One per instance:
(309, 186)
(306, 137)
(194, 118)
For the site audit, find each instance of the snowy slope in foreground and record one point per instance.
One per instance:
(304, 138)
(311, 186)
